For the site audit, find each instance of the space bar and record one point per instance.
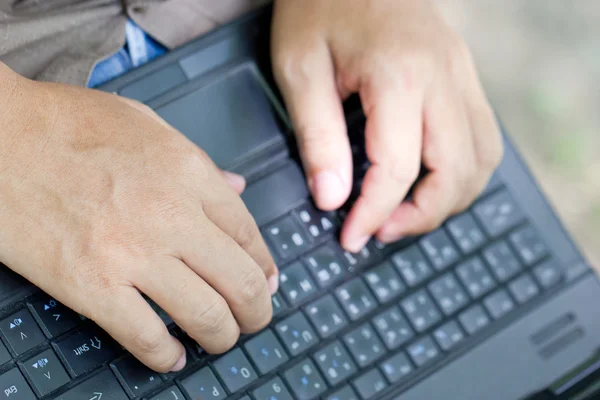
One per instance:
(272, 195)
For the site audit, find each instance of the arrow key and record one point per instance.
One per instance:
(55, 318)
(21, 332)
(45, 372)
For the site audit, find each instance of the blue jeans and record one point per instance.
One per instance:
(139, 49)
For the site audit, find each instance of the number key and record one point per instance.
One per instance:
(475, 277)
(272, 390)
(203, 385)
(466, 233)
(235, 370)
(529, 245)
(448, 293)
(393, 328)
(335, 363)
(364, 345)
(502, 261)
(317, 223)
(305, 381)
(421, 311)
(266, 352)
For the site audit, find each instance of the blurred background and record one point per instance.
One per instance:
(540, 64)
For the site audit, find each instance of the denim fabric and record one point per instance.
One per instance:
(139, 49)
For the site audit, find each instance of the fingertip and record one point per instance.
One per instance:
(273, 283)
(236, 181)
(329, 188)
(180, 364)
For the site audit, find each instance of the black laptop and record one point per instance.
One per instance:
(498, 303)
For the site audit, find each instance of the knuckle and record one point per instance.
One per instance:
(213, 319)
(150, 340)
(295, 65)
(253, 288)
(401, 171)
(247, 233)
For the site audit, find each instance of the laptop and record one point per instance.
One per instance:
(498, 303)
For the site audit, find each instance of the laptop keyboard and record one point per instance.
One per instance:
(346, 326)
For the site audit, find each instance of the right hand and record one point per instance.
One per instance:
(102, 201)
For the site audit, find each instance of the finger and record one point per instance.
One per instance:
(195, 306)
(393, 144)
(449, 156)
(227, 211)
(228, 269)
(237, 182)
(130, 320)
(305, 73)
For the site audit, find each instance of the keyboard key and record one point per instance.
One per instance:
(474, 319)
(364, 345)
(369, 384)
(326, 316)
(272, 390)
(345, 393)
(172, 393)
(384, 282)
(412, 265)
(87, 349)
(286, 237)
(21, 332)
(421, 311)
(523, 289)
(466, 233)
(356, 299)
(10, 283)
(325, 264)
(55, 318)
(266, 351)
(305, 381)
(279, 307)
(316, 223)
(502, 261)
(529, 245)
(423, 351)
(136, 378)
(475, 276)
(14, 387)
(4, 355)
(235, 370)
(103, 385)
(396, 367)
(448, 294)
(335, 363)
(364, 257)
(295, 284)
(202, 385)
(393, 328)
(498, 213)
(296, 334)
(439, 249)
(448, 335)
(45, 372)
(499, 304)
(548, 274)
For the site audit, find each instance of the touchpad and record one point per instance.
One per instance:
(230, 118)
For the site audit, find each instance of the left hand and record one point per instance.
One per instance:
(423, 102)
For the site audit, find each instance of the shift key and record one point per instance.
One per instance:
(87, 349)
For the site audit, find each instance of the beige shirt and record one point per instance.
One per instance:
(62, 40)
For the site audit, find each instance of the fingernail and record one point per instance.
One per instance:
(273, 284)
(180, 364)
(355, 245)
(237, 181)
(327, 187)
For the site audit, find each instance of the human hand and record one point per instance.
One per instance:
(102, 201)
(422, 98)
